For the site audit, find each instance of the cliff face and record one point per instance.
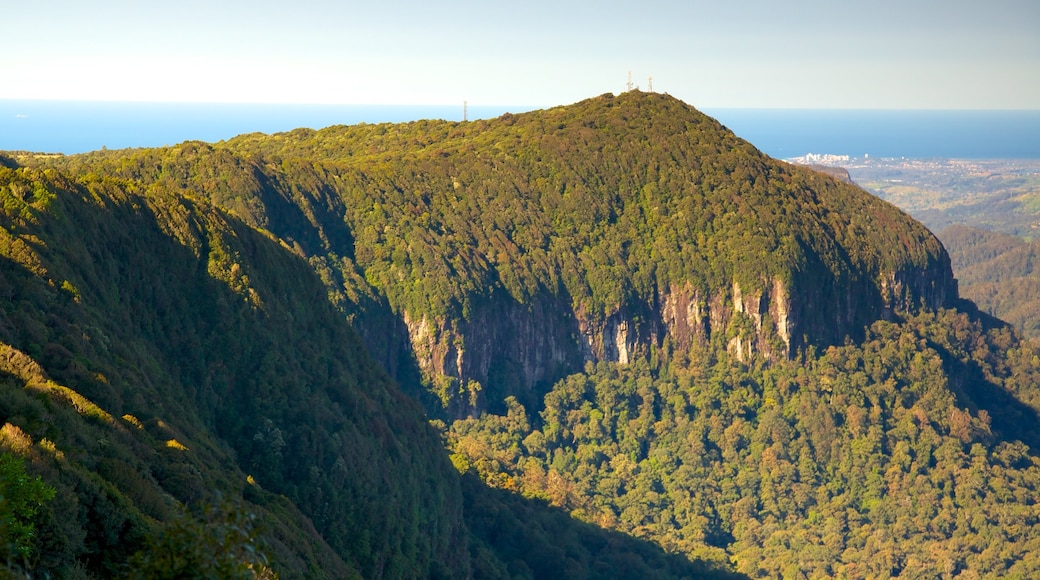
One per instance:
(510, 349)
(505, 348)
(495, 257)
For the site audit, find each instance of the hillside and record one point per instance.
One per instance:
(197, 407)
(649, 349)
(509, 252)
(158, 351)
(999, 273)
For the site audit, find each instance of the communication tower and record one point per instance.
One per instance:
(650, 85)
(629, 83)
(465, 106)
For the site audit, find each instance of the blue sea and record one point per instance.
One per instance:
(786, 133)
(77, 126)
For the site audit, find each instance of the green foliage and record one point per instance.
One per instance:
(220, 543)
(165, 338)
(900, 455)
(596, 208)
(222, 343)
(206, 292)
(21, 499)
(515, 538)
(998, 272)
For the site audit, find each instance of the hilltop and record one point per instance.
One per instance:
(649, 349)
(595, 231)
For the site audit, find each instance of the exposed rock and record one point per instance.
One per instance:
(507, 348)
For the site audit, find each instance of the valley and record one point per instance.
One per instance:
(1000, 195)
(987, 214)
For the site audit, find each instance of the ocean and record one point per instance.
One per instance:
(78, 126)
(919, 134)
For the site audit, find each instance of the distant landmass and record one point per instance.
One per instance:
(610, 339)
(1001, 273)
(986, 212)
(1002, 195)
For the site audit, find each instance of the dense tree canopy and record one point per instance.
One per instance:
(222, 325)
(909, 454)
(592, 212)
(162, 349)
(1000, 273)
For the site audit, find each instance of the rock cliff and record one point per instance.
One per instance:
(510, 349)
(495, 257)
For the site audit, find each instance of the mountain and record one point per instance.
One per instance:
(158, 351)
(187, 398)
(650, 350)
(999, 273)
(502, 255)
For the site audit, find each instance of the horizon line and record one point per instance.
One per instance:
(523, 107)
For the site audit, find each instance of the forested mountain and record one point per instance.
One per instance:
(514, 250)
(645, 345)
(1000, 273)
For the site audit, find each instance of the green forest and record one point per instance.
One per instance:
(999, 273)
(985, 214)
(603, 340)
(892, 457)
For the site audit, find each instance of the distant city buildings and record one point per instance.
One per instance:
(818, 159)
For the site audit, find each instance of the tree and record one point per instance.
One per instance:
(222, 543)
(21, 499)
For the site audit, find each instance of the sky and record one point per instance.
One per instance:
(882, 54)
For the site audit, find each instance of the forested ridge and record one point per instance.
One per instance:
(999, 272)
(572, 227)
(161, 355)
(647, 350)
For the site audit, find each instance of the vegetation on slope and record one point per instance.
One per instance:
(999, 273)
(203, 292)
(159, 356)
(194, 352)
(912, 453)
(598, 209)
(600, 201)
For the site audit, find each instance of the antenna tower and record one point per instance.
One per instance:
(650, 85)
(465, 106)
(629, 83)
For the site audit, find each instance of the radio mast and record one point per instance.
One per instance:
(465, 106)
(629, 83)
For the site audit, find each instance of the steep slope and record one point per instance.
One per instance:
(223, 357)
(623, 311)
(199, 408)
(911, 454)
(998, 272)
(507, 253)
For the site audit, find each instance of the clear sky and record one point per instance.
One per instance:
(937, 54)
